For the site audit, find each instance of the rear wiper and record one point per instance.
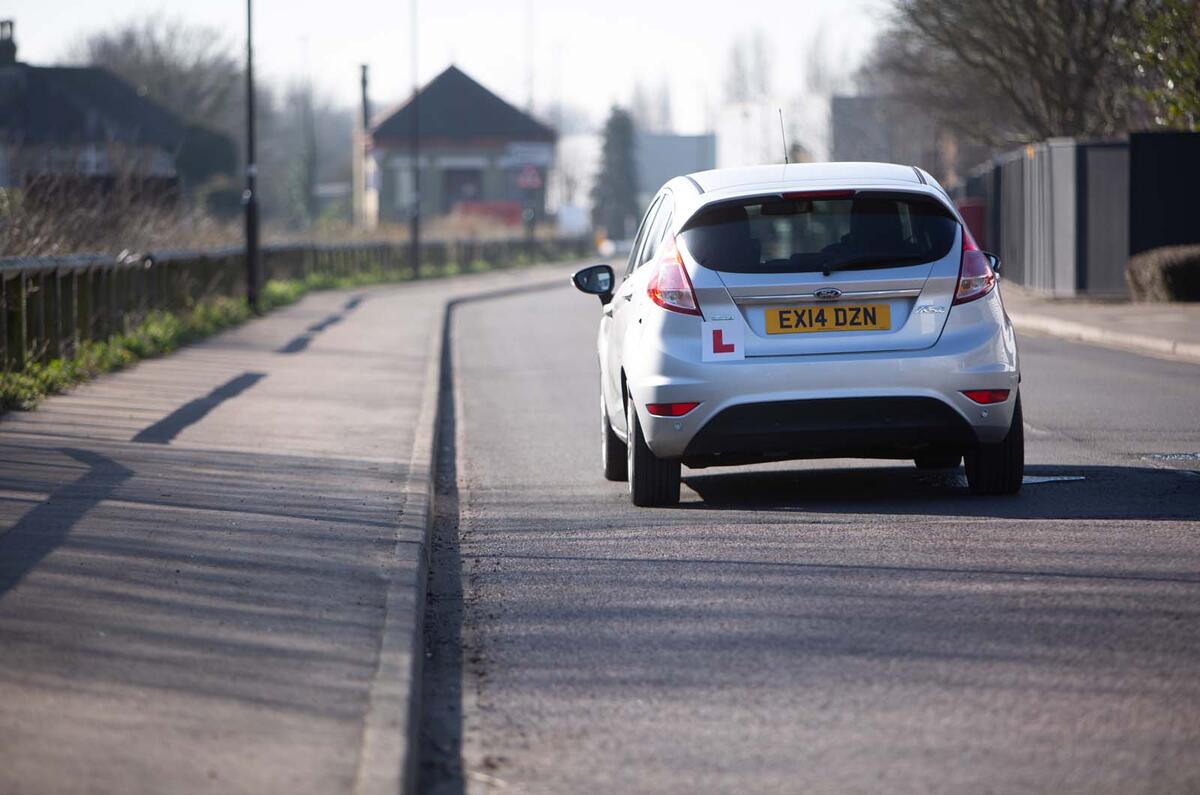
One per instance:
(850, 263)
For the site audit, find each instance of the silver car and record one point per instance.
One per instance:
(805, 311)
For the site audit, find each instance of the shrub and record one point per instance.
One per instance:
(1170, 273)
(157, 334)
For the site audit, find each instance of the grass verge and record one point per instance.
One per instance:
(159, 333)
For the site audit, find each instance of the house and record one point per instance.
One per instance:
(81, 125)
(478, 154)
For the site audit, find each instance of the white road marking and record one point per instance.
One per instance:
(1032, 480)
(1172, 456)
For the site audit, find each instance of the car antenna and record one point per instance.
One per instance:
(783, 134)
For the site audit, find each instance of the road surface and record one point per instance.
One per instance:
(817, 627)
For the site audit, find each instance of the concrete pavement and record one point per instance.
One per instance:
(1154, 329)
(211, 577)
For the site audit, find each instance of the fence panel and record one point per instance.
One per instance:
(1012, 219)
(1066, 215)
(1104, 191)
(1164, 170)
(49, 305)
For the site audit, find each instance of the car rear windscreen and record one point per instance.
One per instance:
(795, 233)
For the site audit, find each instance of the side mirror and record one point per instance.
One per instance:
(994, 261)
(596, 280)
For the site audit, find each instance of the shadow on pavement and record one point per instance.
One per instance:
(440, 743)
(44, 527)
(1106, 492)
(300, 343)
(203, 577)
(170, 426)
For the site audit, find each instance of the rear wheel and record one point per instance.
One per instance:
(612, 449)
(653, 481)
(937, 461)
(999, 468)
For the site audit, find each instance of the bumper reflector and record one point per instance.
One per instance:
(670, 409)
(986, 397)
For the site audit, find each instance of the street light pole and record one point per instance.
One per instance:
(415, 230)
(250, 194)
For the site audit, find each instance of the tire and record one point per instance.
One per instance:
(612, 449)
(937, 461)
(653, 481)
(999, 468)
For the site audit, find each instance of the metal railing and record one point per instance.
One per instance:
(50, 305)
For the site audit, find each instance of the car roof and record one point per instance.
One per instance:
(693, 191)
(721, 179)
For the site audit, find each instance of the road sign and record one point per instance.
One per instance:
(529, 178)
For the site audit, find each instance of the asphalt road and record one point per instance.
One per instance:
(817, 627)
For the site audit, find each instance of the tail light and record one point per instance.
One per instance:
(670, 287)
(975, 276)
(986, 397)
(670, 409)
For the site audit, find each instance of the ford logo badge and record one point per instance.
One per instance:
(827, 294)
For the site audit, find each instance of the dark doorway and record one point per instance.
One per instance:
(461, 184)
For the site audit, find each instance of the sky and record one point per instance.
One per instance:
(586, 54)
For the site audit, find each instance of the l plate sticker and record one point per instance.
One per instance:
(721, 340)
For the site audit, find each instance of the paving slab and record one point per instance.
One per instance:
(201, 557)
(1167, 330)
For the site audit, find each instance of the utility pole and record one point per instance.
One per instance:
(529, 56)
(366, 100)
(415, 232)
(362, 146)
(250, 195)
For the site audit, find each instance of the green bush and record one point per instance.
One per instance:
(157, 334)
(1170, 273)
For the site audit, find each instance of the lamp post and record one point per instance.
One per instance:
(415, 231)
(250, 195)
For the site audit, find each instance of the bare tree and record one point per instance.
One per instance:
(301, 130)
(824, 75)
(1000, 71)
(748, 76)
(665, 119)
(568, 118)
(196, 72)
(641, 107)
(651, 109)
(192, 71)
(55, 214)
(571, 171)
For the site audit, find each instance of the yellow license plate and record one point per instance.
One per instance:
(847, 317)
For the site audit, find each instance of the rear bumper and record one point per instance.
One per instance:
(901, 427)
(871, 405)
